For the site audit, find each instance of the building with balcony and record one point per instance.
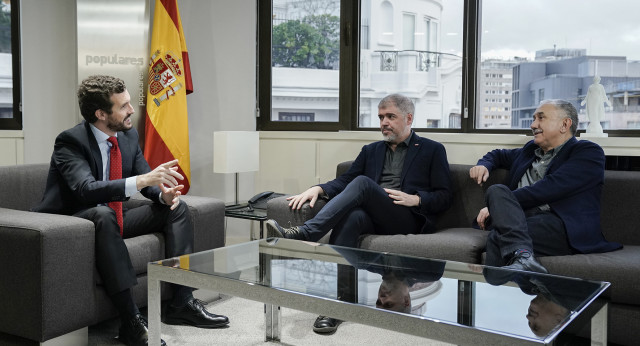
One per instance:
(567, 74)
(399, 54)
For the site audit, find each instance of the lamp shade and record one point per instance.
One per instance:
(236, 151)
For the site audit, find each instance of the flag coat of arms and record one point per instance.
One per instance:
(166, 123)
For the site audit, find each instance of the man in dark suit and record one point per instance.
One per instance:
(394, 186)
(79, 184)
(551, 203)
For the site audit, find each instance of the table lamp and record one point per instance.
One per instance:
(235, 152)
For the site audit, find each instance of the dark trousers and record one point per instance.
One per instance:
(363, 207)
(112, 257)
(510, 228)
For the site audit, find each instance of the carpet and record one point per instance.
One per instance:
(247, 327)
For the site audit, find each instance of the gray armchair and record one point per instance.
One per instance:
(278, 208)
(49, 286)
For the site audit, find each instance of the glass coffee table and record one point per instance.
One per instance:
(448, 301)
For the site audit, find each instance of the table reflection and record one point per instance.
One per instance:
(553, 300)
(400, 275)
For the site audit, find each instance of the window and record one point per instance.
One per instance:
(344, 93)
(417, 68)
(305, 59)
(408, 31)
(560, 58)
(433, 123)
(302, 80)
(10, 112)
(293, 116)
(633, 124)
(444, 55)
(427, 34)
(433, 31)
(386, 22)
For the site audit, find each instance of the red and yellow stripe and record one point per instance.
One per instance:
(166, 124)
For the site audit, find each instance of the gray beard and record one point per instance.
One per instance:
(389, 138)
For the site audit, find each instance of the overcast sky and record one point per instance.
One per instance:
(520, 27)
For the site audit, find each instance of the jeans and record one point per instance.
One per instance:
(363, 207)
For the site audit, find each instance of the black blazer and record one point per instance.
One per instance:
(572, 187)
(425, 173)
(75, 177)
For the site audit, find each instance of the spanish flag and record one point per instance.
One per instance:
(166, 125)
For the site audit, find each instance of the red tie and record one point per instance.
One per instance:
(115, 172)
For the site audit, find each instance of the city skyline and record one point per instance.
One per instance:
(612, 30)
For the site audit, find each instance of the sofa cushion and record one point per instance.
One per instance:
(620, 204)
(468, 197)
(24, 183)
(454, 244)
(619, 267)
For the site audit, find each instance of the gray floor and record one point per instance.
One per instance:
(247, 327)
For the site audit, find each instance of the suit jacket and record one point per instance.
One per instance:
(572, 187)
(75, 177)
(425, 173)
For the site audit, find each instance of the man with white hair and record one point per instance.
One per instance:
(550, 205)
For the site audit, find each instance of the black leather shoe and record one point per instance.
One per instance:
(526, 262)
(325, 324)
(135, 332)
(276, 231)
(194, 314)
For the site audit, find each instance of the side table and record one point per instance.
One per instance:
(244, 211)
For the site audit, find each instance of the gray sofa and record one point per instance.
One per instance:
(456, 240)
(48, 282)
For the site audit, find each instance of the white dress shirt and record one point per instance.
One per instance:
(105, 147)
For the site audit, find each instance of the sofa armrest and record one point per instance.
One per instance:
(279, 210)
(47, 272)
(207, 215)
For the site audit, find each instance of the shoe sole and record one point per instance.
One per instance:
(189, 323)
(325, 330)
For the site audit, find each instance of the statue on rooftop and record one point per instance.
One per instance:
(595, 99)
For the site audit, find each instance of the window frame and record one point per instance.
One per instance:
(349, 79)
(348, 82)
(15, 123)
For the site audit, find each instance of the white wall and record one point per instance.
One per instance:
(290, 162)
(221, 41)
(11, 148)
(49, 70)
